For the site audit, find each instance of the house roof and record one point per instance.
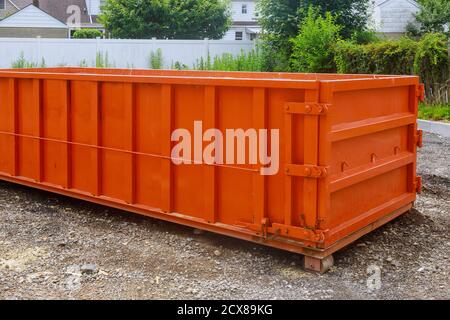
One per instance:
(20, 4)
(31, 16)
(383, 2)
(58, 9)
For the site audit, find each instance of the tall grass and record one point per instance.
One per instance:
(156, 60)
(22, 63)
(251, 61)
(83, 63)
(179, 66)
(102, 60)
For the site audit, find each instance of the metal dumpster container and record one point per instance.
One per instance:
(346, 148)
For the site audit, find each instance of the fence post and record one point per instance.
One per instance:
(206, 44)
(97, 48)
(153, 44)
(39, 49)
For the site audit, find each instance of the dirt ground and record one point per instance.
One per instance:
(52, 247)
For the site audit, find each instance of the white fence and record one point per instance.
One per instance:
(121, 53)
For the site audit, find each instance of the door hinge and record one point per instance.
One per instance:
(419, 138)
(421, 92)
(418, 185)
(307, 108)
(308, 171)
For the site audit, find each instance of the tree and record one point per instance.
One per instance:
(313, 47)
(171, 19)
(281, 19)
(434, 16)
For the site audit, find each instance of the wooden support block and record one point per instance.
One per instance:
(319, 265)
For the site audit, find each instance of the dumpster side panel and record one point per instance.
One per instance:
(28, 125)
(115, 140)
(373, 154)
(7, 125)
(55, 97)
(234, 110)
(83, 107)
(278, 197)
(148, 100)
(120, 147)
(188, 186)
(362, 105)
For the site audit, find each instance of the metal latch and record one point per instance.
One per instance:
(308, 108)
(308, 171)
(419, 138)
(421, 92)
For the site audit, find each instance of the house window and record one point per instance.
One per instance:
(244, 9)
(239, 35)
(2, 4)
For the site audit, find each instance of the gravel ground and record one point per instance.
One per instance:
(52, 247)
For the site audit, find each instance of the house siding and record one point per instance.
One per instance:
(238, 16)
(33, 33)
(94, 6)
(393, 16)
(243, 22)
(231, 33)
(32, 22)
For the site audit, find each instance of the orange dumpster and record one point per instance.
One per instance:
(302, 162)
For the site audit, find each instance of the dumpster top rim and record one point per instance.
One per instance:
(194, 77)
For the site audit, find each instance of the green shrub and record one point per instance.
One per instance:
(313, 47)
(432, 63)
(87, 34)
(427, 58)
(383, 57)
(22, 63)
(364, 37)
(351, 58)
(155, 60)
(275, 53)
